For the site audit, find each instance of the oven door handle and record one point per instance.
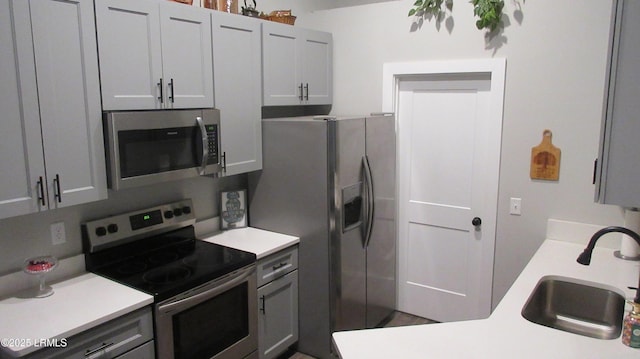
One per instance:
(205, 145)
(190, 301)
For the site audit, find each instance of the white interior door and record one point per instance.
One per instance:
(449, 153)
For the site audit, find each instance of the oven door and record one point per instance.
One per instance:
(147, 147)
(217, 320)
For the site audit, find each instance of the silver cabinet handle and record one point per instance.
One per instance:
(264, 308)
(107, 348)
(205, 145)
(41, 191)
(280, 269)
(306, 88)
(160, 85)
(301, 97)
(279, 265)
(58, 193)
(97, 352)
(172, 93)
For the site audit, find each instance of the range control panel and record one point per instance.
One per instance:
(110, 231)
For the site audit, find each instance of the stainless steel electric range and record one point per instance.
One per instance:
(205, 302)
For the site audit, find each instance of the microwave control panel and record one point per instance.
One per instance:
(212, 140)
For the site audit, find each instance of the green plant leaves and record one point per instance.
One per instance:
(489, 12)
(425, 7)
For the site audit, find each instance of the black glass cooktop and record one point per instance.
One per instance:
(167, 264)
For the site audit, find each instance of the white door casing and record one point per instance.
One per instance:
(449, 127)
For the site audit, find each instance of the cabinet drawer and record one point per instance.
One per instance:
(107, 340)
(145, 351)
(277, 265)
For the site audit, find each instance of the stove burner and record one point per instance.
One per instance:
(167, 275)
(196, 261)
(132, 267)
(191, 261)
(163, 257)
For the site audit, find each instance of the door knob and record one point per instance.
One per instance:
(476, 221)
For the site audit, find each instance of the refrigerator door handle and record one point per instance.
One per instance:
(368, 185)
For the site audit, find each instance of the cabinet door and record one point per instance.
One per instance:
(238, 90)
(619, 151)
(317, 67)
(281, 65)
(278, 315)
(21, 158)
(69, 96)
(186, 56)
(130, 54)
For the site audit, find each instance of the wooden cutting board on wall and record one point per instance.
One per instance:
(545, 159)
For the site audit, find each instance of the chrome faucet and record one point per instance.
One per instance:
(585, 257)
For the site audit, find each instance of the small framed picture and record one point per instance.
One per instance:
(233, 211)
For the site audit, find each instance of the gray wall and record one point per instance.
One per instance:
(27, 236)
(556, 59)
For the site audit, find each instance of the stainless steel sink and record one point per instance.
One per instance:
(576, 306)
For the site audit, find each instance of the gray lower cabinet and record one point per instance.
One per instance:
(51, 144)
(277, 303)
(238, 90)
(129, 336)
(617, 172)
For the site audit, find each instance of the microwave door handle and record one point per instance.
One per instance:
(205, 146)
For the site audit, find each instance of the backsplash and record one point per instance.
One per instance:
(27, 236)
(576, 232)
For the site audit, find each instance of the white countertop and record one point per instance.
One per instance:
(76, 305)
(254, 240)
(506, 334)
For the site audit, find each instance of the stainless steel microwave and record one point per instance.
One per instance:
(148, 147)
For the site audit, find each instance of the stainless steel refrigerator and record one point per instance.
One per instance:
(331, 181)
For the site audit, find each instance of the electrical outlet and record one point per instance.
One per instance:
(515, 206)
(58, 235)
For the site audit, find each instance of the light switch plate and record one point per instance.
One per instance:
(515, 205)
(58, 235)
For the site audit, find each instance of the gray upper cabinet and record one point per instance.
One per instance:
(297, 65)
(317, 67)
(237, 72)
(51, 135)
(21, 157)
(154, 55)
(617, 172)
